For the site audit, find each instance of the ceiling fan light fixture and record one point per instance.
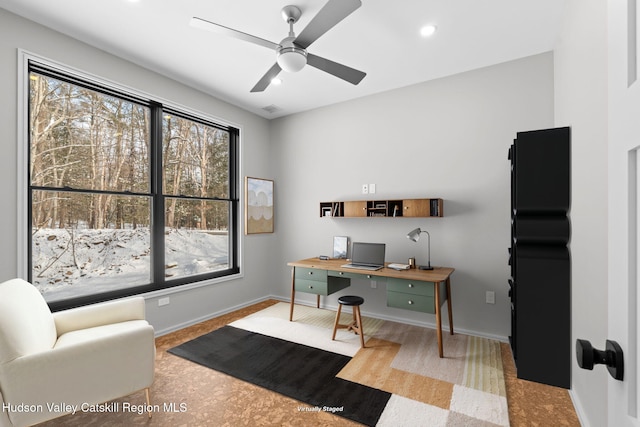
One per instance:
(428, 30)
(292, 59)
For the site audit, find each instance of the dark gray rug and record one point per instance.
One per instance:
(303, 373)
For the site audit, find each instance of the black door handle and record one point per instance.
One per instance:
(612, 356)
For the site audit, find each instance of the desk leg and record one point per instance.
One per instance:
(318, 301)
(293, 292)
(449, 305)
(438, 319)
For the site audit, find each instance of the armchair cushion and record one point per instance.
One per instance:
(98, 315)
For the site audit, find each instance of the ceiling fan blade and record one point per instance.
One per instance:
(265, 81)
(230, 32)
(343, 72)
(332, 13)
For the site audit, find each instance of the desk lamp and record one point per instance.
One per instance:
(414, 235)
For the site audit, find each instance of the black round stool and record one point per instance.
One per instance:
(356, 325)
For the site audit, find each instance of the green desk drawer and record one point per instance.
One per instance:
(316, 281)
(410, 287)
(311, 274)
(421, 303)
(360, 276)
(312, 286)
(348, 275)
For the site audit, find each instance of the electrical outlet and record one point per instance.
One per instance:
(163, 301)
(372, 188)
(490, 297)
(365, 189)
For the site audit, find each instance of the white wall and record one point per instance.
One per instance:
(581, 102)
(446, 138)
(185, 307)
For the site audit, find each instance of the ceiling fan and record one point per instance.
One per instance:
(292, 53)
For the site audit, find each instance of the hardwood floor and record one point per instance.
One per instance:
(533, 404)
(191, 395)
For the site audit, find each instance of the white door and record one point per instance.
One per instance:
(624, 207)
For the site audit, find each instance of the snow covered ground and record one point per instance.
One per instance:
(78, 262)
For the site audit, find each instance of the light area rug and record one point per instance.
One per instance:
(309, 327)
(465, 388)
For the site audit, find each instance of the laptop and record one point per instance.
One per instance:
(366, 256)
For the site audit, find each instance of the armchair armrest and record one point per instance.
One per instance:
(99, 314)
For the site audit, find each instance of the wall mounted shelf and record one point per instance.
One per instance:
(415, 208)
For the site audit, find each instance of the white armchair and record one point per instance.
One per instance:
(83, 356)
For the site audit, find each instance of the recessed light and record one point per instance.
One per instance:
(276, 81)
(428, 30)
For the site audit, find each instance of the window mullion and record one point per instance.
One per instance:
(157, 210)
(234, 190)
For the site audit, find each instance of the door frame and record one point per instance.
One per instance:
(624, 207)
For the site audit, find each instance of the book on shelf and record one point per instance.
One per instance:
(434, 207)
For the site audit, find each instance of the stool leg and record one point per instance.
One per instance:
(335, 325)
(356, 312)
(354, 324)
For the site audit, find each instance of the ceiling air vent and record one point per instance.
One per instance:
(271, 108)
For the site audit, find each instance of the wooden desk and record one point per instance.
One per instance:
(417, 290)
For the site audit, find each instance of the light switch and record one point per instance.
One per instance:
(490, 297)
(372, 188)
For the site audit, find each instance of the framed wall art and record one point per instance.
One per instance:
(258, 208)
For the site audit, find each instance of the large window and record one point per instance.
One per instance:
(125, 195)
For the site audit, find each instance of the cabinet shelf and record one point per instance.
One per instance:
(416, 208)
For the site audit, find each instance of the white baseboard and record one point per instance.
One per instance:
(191, 322)
(579, 409)
(430, 325)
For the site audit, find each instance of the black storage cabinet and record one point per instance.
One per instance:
(540, 283)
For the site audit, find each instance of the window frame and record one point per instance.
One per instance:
(158, 107)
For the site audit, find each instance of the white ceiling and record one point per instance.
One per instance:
(380, 38)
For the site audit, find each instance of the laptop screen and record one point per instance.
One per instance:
(368, 253)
